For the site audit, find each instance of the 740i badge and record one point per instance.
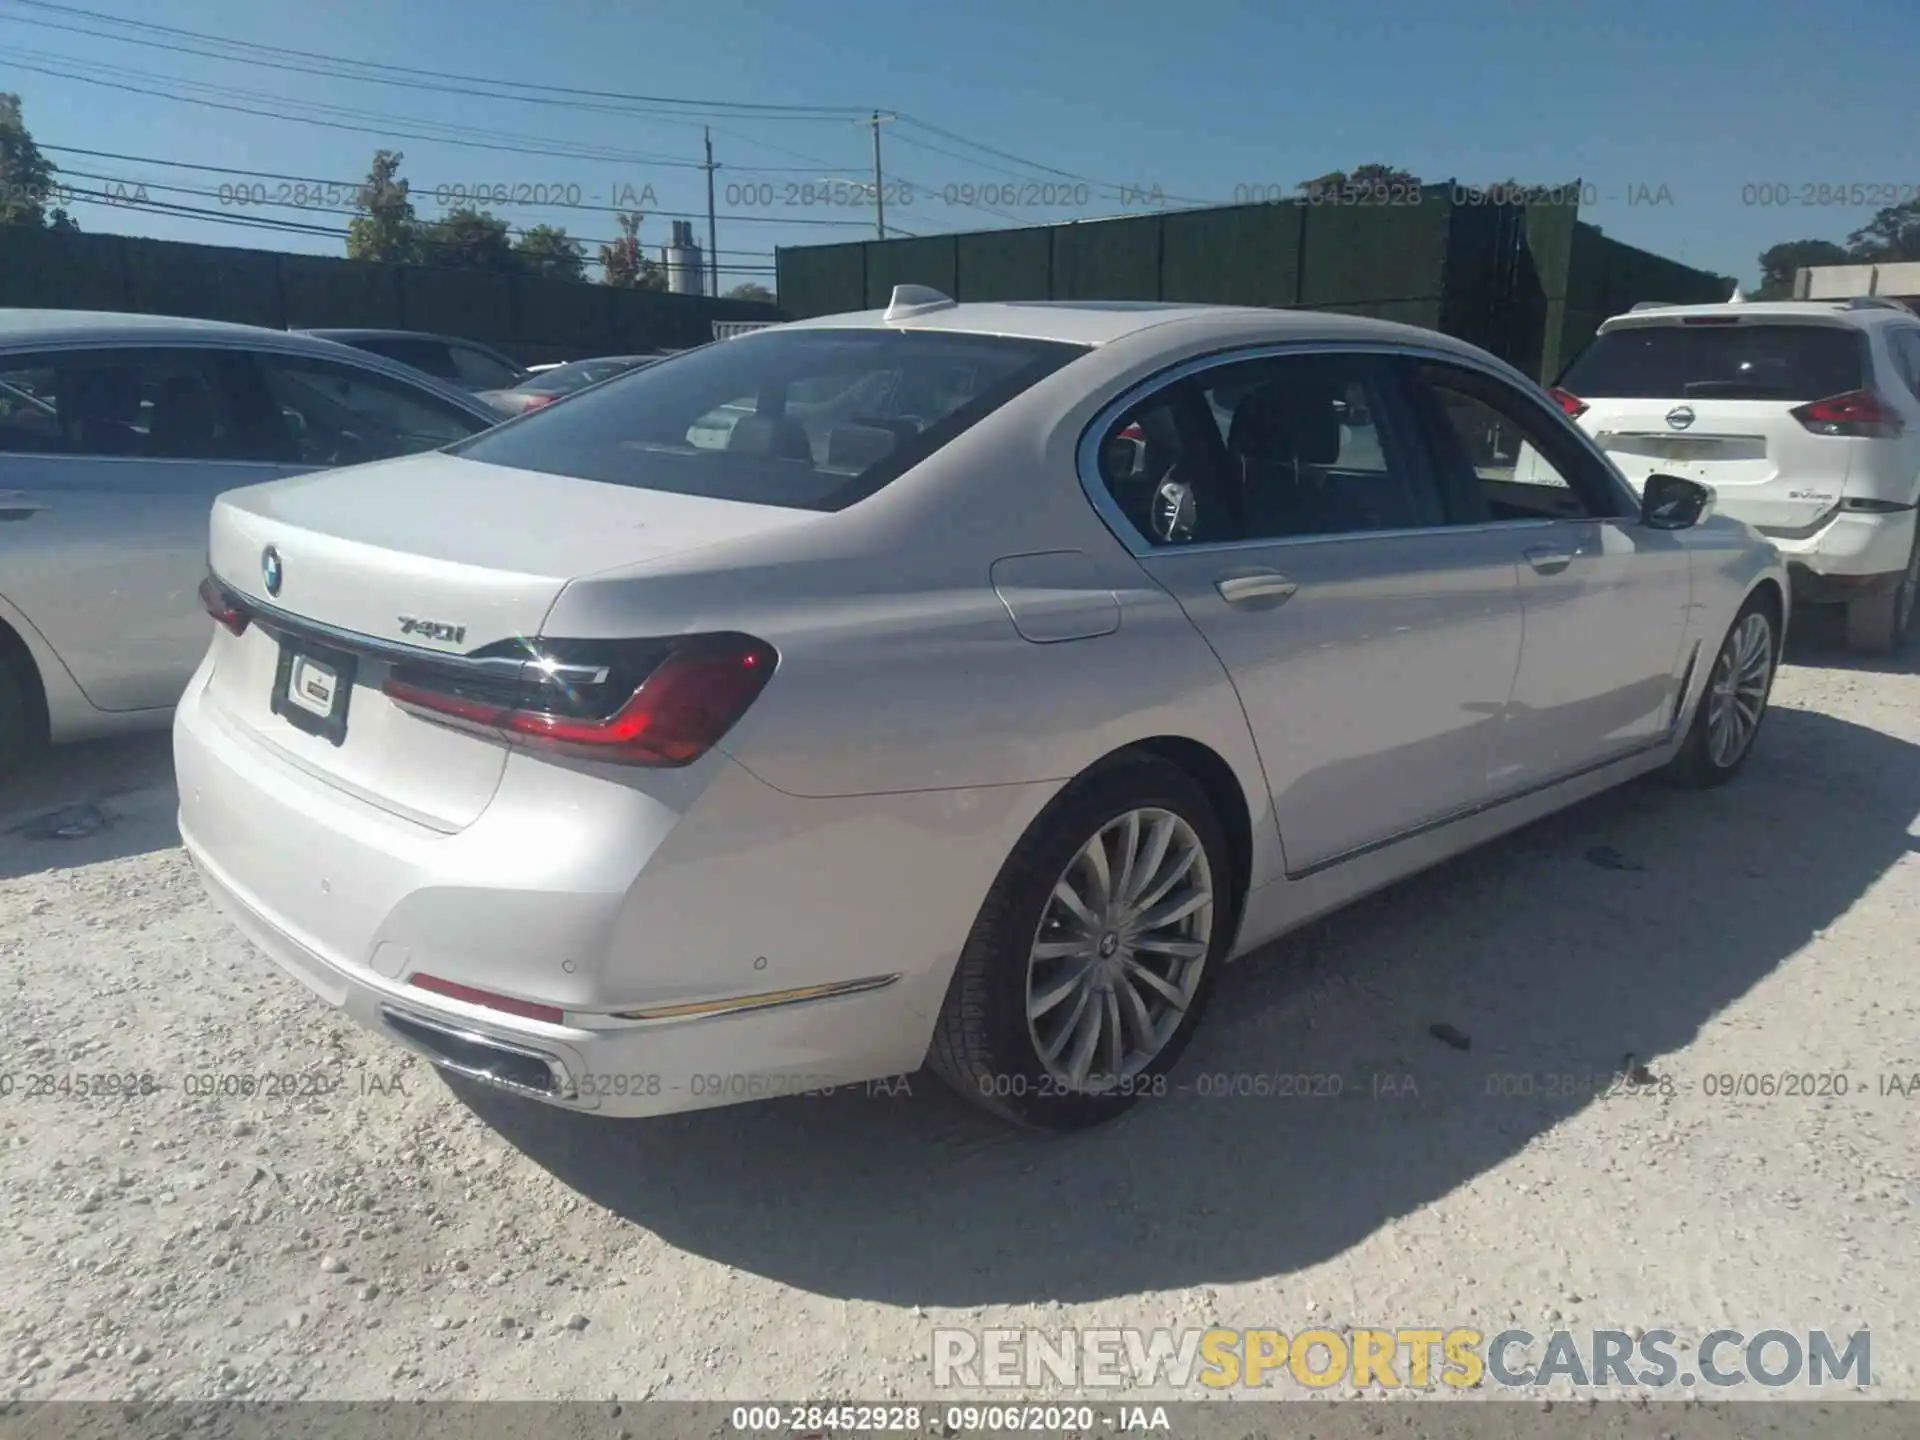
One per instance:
(433, 629)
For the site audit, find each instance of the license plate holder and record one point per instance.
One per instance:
(312, 687)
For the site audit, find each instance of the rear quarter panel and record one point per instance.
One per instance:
(901, 668)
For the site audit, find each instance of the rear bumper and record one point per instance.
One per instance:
(1853, 552)
(579, 891)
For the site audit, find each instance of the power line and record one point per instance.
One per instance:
(1122, 188)
(751, 109)
(384, 127)
(815, 112)
(312, 209)
(267, 222)
(677, 117)
(412, 188)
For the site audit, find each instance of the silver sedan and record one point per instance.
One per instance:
(116, 433)
(953, 683)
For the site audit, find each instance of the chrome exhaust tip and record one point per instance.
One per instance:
(518, 1068)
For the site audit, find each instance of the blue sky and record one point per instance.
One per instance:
(1699, 99)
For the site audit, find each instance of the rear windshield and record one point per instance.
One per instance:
(1743, 361)
(808, 419)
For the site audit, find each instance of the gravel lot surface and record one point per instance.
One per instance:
(397, 1237)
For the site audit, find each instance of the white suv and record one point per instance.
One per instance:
(1803, 415)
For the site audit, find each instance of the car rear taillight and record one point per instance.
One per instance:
(453, 990)
(1859, 413)
(223, 605)
(658, 703)
(1574, 406)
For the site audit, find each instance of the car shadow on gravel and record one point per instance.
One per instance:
(1817, 636)
(1610, 931)
(86, 803)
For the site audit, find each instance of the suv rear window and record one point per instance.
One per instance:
(808, 419)
(1743, 361)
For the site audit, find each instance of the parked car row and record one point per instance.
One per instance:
(116, 434)
(960, 684)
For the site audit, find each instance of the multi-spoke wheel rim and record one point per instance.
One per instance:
(1738, 690)
(1117, 957)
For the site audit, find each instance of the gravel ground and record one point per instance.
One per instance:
(378, 1233)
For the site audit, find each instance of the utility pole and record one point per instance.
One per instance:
(713, 243)
(879, 201)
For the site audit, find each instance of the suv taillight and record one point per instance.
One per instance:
(1569, 402)
(659, 703)
(1858, 413)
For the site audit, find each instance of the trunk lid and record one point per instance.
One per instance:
(429, 555)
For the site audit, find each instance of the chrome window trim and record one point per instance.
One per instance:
(1087, 451)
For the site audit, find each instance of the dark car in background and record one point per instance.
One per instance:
(551, 383)
(466, 363)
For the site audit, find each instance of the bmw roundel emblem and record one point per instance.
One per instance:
(270, 569)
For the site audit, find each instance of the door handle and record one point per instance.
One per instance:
(1548, 559)
(1266, 585)
(17, 506)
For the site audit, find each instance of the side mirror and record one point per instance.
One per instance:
(1670, 502)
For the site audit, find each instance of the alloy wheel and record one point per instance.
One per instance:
(1119, 952)
(1737, 691)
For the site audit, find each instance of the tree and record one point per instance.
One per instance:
(1778, 263)
(468, 239)
(1361, 179)
(549, 252)
(26, 176)
(1892, 236)
(749, 290)
(386, 228)
(623, 264)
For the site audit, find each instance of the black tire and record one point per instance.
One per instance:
(1695, 766)
(982, 1043)
(1882, 625)
(19, 737)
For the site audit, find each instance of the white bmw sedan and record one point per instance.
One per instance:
(961, 684)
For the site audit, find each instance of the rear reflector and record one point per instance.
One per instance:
(1571, 403)
(682, 707)
(1858, 413)
(505, 1003)
(223, 605)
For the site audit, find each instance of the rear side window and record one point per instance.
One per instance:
(29, 409)
(477, 370)
(432, 356)
(1742, 361)
(808, 419)
(160, 403)
(1905, 348)
(337, 414)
